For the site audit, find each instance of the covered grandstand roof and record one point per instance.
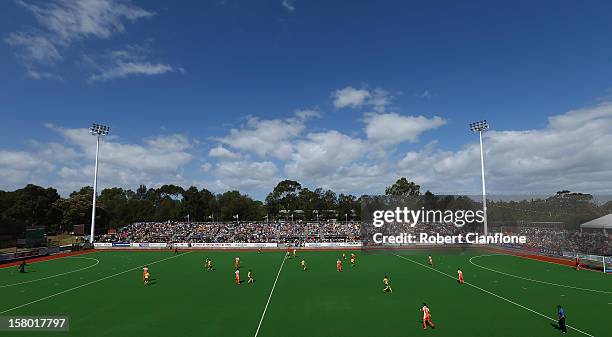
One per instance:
(603, 222)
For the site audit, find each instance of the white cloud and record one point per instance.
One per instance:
(69, 165)
(349, 97)
(55, 152)
(357, 178)
(153, 158)
(247, 175)
(175, 142)
(223, 153)
(63, 22)
(132, 60)
(571, 153)
(323, 153)
(206, 167)
(265, 137)
(39, 75)
(443, 171)
(68, 20)
(122, 70)
(289, 5)
(20, 160)
(34, 48)
(379, 99)
(307, 114)
(392, 128)
(18, 168)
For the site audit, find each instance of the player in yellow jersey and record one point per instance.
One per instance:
(303, 264)
(353, 258)
(387, 284)
(250, 277)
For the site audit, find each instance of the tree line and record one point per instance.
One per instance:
(38, 206)
(115, 207)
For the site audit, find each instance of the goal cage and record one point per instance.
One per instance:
(597, 262)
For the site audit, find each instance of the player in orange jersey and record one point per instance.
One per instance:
(145, 275)
(426, 317)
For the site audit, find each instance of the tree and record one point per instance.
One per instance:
(347, 204)
(283, 197)
(232, 203)
(76, 210)
(29, 206)
(141, 192)
(198, 204)
(115, 202)
(402, 187)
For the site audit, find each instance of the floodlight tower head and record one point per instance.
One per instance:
(479, 126)
(99, 129)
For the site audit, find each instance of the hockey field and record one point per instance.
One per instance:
(504, 295)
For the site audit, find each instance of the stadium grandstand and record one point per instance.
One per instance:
(603, 224)
(544, 240)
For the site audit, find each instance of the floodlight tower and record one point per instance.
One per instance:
(96, 130)
(480, 127)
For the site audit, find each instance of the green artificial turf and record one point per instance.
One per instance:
(103, 294)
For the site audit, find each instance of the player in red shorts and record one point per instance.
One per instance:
(339, 265)
(427, 317)
(237, 276)
(460, 276)
(236, 262)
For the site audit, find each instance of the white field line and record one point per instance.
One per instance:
(493, 294)
(270, 297)
(52, 276)
(88, 283)
(532, 280)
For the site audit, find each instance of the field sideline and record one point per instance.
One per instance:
(504, 295)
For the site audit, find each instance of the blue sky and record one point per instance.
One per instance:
(347, 95)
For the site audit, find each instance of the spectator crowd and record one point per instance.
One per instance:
(221, 232)
(560, 240)
(546, 239)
